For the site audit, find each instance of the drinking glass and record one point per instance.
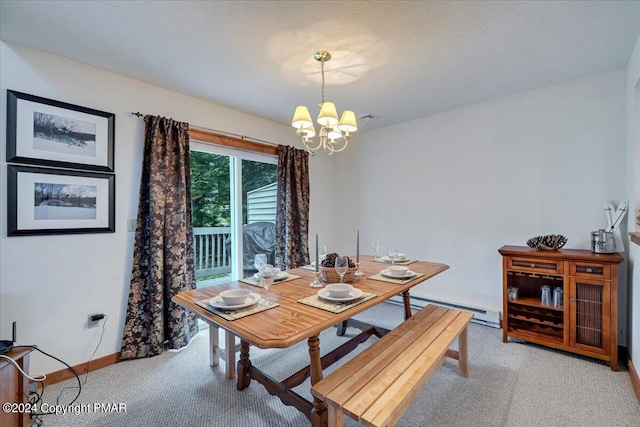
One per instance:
(259, 261)
(375, 245)
(393, 253)
(323, 253)
(342, 265)
(267, 275)
(546, 295)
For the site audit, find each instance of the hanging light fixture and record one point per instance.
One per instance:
(330, 128)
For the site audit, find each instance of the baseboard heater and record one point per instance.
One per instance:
(482, 316)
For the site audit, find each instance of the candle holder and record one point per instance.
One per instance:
(316, 281)
(358, 272)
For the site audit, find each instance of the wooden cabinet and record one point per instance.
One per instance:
(585, 323)
(14, 387)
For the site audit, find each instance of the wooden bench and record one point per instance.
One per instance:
(378, 385)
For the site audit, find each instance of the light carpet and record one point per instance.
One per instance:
(514, 384)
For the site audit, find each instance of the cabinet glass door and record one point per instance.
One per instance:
(590, 315)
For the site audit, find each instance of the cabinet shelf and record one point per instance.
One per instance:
(536, 321)
(534, 302)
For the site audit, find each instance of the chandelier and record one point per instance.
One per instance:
(330, 128)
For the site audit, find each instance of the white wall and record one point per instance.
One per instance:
(49, 284)
(455, 187)
(633, 193)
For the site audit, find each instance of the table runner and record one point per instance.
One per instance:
(334, 307)
(251, 281)
(235, 314)
(382, 278)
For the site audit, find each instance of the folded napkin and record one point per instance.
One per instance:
(235, 314)
(255, 282)
(334, 307)
(403, 281)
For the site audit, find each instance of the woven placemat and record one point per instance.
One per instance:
(382, 278)
(254, 282)
(309, 267)
(334, 307)
(235, 314)
(403, 262)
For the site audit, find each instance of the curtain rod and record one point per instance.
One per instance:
(235, 135)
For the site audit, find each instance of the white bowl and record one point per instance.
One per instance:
(401, 256)
(235, 296)
(339, 290)
(398, 270)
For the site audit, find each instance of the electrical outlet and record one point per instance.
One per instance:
(93, 320)
(131, 225)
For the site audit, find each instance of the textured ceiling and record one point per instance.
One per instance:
(398, 60)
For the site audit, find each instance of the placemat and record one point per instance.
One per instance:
(382, 278)
(253, 282)
(334, 307)
(309, 267)
(403, 262)
(235, 314)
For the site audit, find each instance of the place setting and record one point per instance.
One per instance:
(393, 255)
(259, 262)
(340, 296)
(234, 304)
(399, 274)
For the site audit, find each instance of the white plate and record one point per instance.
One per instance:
(217, 302)
(387, 259)
(353, 294)
(386, 273)
(281, 276)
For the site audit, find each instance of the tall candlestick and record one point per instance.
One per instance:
(317, 265)
(358, 247)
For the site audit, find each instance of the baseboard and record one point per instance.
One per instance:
(82, 368)
(635, 379)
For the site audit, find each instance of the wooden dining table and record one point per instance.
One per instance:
(292, 322)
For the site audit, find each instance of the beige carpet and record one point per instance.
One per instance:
(512, 384)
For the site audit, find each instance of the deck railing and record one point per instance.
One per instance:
(210, 251)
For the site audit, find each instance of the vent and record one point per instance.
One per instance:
(367, 118)
(482, 316)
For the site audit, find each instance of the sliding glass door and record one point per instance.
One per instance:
(233, 201)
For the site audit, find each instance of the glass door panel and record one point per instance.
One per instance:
(212, 211)
(259, 191)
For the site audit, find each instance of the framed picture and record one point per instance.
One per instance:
(59, 201)
(45, 132)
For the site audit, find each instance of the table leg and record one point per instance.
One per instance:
(406, 299)
(316, 374)
(244, 376)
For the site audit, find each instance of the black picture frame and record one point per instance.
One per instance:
(59, 201)
(47, 132)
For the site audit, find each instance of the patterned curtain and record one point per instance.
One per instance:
(163, 263)
(292, 211)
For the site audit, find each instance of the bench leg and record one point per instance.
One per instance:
(336, 417)
(228, 354)
(214, 349)
(463, 352)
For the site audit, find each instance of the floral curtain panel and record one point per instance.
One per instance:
(292, 210)
(163, 263)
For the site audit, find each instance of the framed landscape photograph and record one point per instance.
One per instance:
(45, 132)
(59, 201)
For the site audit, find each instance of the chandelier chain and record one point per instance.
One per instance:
(322, 72)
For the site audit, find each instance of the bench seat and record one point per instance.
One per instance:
(378, 385)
